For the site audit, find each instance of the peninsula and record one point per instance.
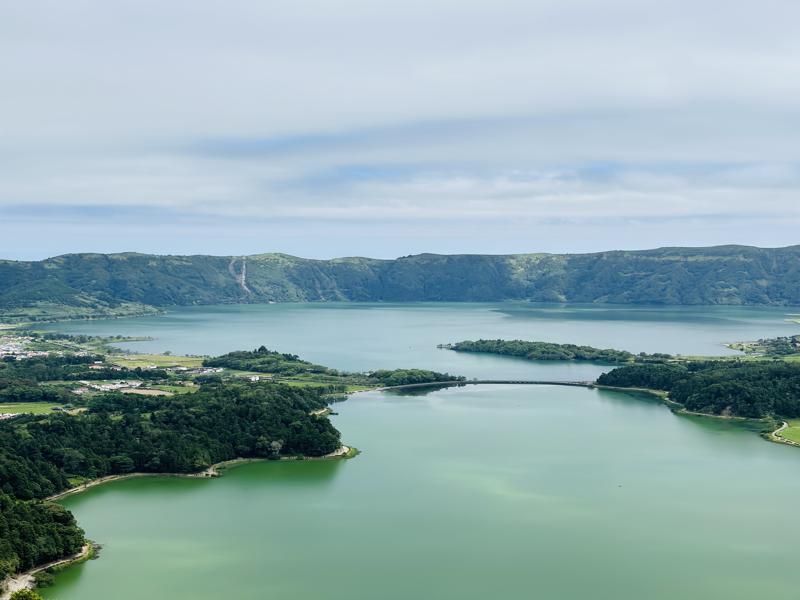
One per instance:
(77, 416)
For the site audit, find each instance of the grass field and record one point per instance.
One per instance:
(792, 433)
(36, 408)
(304, 383)
(148, 392)
(159, 360)
(238, 373)
(176, 389)
(359, 388)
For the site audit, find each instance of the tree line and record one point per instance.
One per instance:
(32, 533)
(20, 379)
(123, 433)
(263, 360)
(395, 377)
(553, 351)
(738, 388)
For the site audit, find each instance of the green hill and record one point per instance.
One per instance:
(78, 285)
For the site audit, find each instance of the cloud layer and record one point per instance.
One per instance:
(349, 127)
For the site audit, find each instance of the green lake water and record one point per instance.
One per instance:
(359, 337)
(475, 492)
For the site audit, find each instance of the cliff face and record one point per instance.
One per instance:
(100, 282)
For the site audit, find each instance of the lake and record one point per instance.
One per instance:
(359, 337)
(486, 491)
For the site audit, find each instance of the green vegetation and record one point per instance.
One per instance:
(183, 433)
(51, 341)
(753, 389)
(43, 452)
(94, 285)
(26, 595)
(792, 432)
(295, 371)
(783, 347)
(263, 360)
(411, 377)
(21, 381)
(32, 533)
(34, 408)
(82, 306)
(552, 351)
(132, 361)
(657, 377)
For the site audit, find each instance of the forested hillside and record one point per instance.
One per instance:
(44, 454)
(184, 433)
(745, 389)
(32, 533)
(79, 285)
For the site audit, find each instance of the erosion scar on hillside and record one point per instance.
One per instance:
(241, 278)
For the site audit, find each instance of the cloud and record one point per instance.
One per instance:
(562, 115)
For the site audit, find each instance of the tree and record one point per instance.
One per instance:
(25, 595)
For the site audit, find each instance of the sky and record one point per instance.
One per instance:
(343, 127)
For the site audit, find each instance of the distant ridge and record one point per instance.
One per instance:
(84, 285)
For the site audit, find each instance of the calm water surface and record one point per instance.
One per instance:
(487, 491)
(360, 337)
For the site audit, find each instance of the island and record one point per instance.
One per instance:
(552, 351)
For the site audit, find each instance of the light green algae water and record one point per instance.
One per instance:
(465, 493)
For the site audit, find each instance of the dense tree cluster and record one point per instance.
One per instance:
(780, 346)
(263, 360)
(46, 368)
(410, 376)
(656, 377)
(25, 594)
(20, 379)
(32, 533)
(71, 367)
(553, 351)
(183, 433)
(740, 388)
(123, 433)
(22, 390)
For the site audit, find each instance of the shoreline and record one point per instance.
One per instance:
(775, 436)
(661, 395)
(16, 324)
(343, 452)
(26, 580)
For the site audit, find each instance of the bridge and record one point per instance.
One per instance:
(588, 384)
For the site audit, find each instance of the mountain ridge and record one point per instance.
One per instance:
(96, 284)
(421, 254)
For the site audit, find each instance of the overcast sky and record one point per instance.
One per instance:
(339, 128)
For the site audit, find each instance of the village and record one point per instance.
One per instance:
(110, 370)
(17, 347)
